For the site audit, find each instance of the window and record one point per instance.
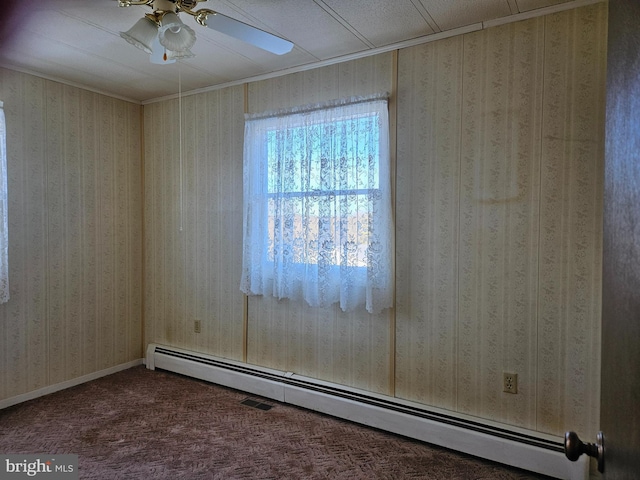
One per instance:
(317, 204)
(4, 231)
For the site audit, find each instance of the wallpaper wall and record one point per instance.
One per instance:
(499, 212)
(498, 226)
(193, 223)
(75, 210)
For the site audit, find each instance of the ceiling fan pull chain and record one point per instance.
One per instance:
(180, 145)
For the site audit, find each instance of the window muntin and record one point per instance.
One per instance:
(332, 197)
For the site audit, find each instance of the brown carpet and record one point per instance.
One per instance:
(142, 424)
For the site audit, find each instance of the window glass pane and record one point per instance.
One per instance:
(328, 170)
(326, 157)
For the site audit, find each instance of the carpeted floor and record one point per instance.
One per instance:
(142, 424)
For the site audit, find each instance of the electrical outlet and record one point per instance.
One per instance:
(197, 326)
(510, 382)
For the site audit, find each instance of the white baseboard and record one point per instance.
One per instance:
(7, 402)
(501, 443)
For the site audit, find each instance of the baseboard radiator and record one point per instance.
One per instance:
(511, 446)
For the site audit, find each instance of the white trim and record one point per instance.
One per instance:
(331, 61)
(387, 48)
(8, 402)
(561, 7)
(518, 447)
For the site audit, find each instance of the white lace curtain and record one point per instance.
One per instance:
(317, 204)
(4, 230)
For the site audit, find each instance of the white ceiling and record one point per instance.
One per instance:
(78, 41)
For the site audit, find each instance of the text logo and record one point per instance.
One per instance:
(41, 466)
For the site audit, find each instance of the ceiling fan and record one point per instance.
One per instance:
(163, 35)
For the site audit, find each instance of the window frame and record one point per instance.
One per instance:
(370, 283)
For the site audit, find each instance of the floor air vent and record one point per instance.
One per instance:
(250, 402)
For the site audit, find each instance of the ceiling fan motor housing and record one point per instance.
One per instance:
(174, 5)
(187, 4)
(165, 6)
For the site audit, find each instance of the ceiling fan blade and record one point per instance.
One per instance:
(249, 34)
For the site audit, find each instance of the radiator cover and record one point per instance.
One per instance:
(500, 443)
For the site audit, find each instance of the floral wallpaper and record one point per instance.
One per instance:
(193, 223)
(498, 203)
(497, 160)
(348, 348)
(75, 212)
(499, 211)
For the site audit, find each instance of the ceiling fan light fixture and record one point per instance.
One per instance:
(142, 34)
(160, 55)
(164, 56)
(175, 35)
(180, 54)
